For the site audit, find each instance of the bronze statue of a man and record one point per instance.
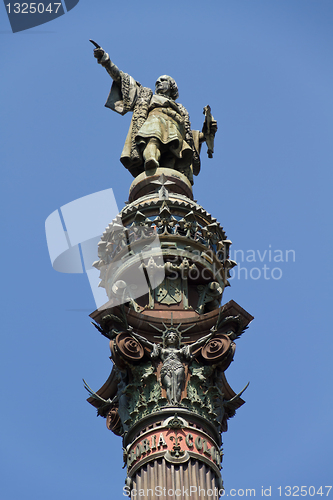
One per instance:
(160, 132)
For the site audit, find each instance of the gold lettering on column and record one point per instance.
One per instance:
(205, 449)
(145, 445)
(189, 440)
(138, 451)
(161, 441)
(131, 458)
(198, 443)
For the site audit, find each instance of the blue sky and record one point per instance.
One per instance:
(265, 68)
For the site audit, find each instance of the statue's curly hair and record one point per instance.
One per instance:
(174, 89)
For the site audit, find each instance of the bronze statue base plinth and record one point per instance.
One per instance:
(148, 182)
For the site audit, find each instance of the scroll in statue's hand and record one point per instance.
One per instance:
(213, 127)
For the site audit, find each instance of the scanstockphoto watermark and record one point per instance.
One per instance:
(264, 264)
(164, 492)
(215, 493)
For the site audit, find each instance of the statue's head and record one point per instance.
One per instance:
(172, 339)
(165, 85)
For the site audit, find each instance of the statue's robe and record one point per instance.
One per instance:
(154, 116)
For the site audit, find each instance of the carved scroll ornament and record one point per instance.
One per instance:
(113, 421)
(129, 348)
(219, 351)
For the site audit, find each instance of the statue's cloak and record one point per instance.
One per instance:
(154, 116)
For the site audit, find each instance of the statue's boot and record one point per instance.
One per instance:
(152, 154)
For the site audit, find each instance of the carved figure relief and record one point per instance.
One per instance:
(209, 294)
(172, 355)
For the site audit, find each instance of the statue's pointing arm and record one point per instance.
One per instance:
(123, 94)
(104, 59)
